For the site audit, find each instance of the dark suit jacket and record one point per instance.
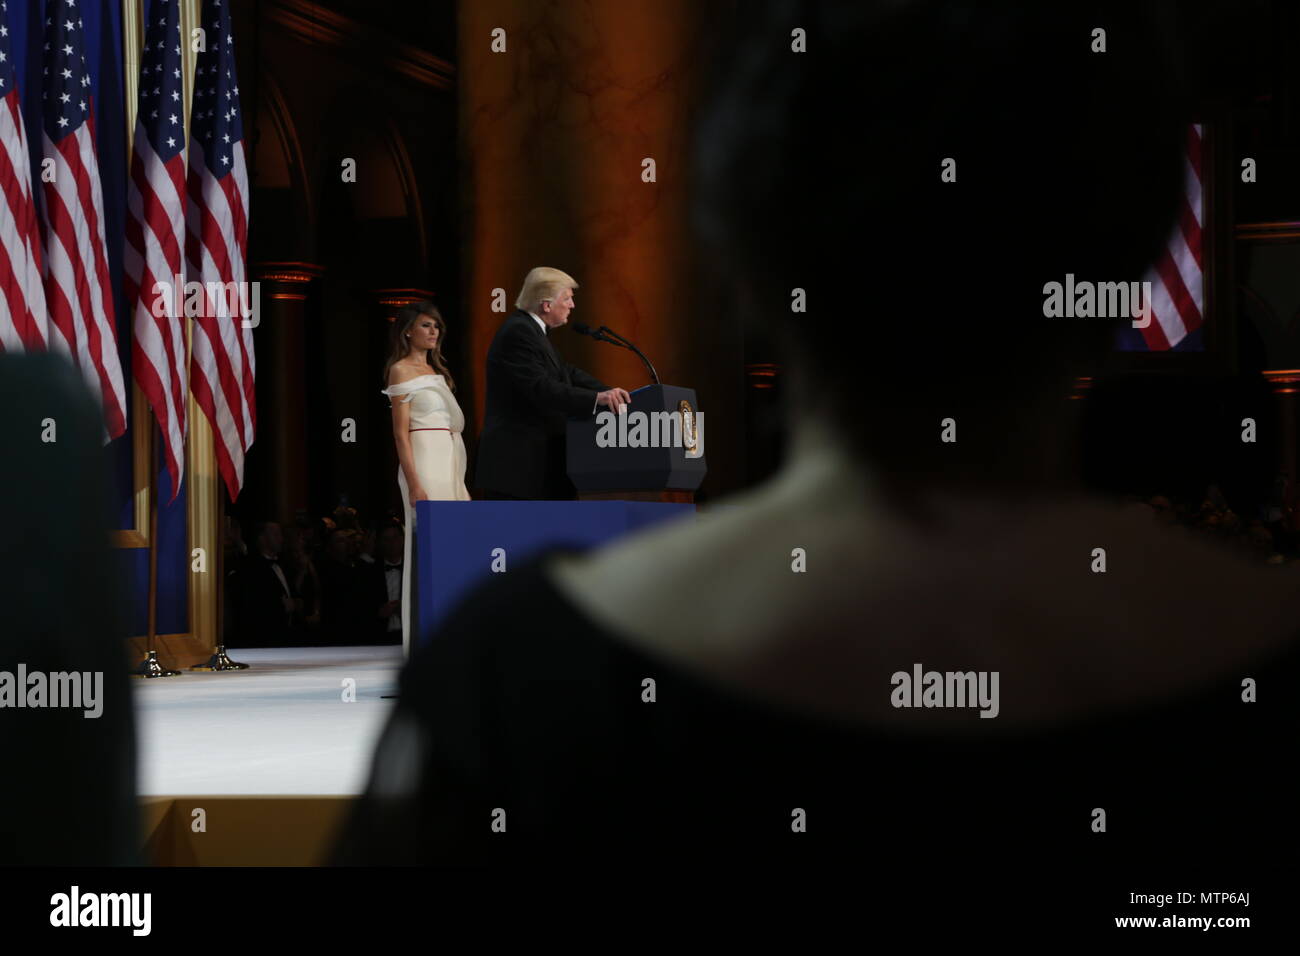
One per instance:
(260, 617)
(530, 393)
(346, 616)
(376, 597)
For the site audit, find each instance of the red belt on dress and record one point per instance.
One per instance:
(430, 429)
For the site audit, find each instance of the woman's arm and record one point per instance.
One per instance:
(402, 438)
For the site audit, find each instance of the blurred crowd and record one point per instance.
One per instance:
(1270, 535)
(332, 580)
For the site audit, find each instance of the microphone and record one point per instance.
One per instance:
(606, 334)
(583, 329)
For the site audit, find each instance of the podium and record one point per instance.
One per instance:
(467, 539)
(634, 470)
(654, 451)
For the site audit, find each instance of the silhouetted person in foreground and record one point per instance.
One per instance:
(68, 794)
(753, 688)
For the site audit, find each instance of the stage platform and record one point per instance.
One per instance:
(272, 754)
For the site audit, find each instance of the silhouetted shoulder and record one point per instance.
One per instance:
(525, 728)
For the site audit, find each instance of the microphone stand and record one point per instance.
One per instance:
(606, 334)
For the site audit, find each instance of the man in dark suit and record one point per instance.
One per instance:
(385, 585)
(530, 393)
(263, 598)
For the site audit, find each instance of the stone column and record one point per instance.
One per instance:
(281, 379)
(1285, 384)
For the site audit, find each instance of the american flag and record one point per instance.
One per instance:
(23, 324)
(1177, 276)
(221, 367)
(155, 232)
(78, 291)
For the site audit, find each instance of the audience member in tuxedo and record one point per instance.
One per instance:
(234, 552)
(303, 582)
(366, 553)
(355, 541)
(234, 548)
(310, 532)
(531, 392)
(386, 573)
(344, 597)
(321, 528)
(742, 689)
(68, 796)
(345, 517)
(263, 597)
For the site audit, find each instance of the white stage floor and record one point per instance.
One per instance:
(280, 727)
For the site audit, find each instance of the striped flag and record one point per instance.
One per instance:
(23, 325)
(1177, 276)
(78, 291)
(155, 233)
(216, 247)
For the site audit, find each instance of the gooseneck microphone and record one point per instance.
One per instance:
(606, 334)
(583, 328)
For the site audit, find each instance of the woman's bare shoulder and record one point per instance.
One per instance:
(400, 373)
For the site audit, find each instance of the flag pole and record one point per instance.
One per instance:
(150, 667)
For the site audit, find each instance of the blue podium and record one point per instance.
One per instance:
(456, 542)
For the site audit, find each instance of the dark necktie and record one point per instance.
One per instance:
(550, 350)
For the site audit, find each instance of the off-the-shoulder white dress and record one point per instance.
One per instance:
(438, 452)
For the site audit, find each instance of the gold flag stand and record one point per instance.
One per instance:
(220, 661)
(150, 666)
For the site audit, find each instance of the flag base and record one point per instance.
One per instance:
(149, 667)
(220, 662)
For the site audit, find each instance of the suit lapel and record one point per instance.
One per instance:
(547, 347)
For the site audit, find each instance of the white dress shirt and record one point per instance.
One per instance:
(275, 566)
(393, 581)
(279, 573)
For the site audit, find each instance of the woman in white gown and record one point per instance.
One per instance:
(427, 425)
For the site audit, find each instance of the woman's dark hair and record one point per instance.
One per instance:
(407, 316)
(821, 171)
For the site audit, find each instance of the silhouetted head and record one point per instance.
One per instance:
(268, 538)
(916, 177)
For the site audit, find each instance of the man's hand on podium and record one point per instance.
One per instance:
(614, 399)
